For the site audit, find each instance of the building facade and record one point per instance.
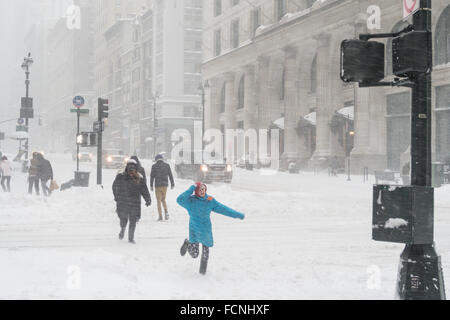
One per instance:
(149, 69)
(276, 64)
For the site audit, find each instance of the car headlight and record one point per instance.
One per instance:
(229, 168)
(79, 156)
(127, 159)
(109, 159)
(204, 168)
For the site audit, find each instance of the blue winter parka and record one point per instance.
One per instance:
(199, 209)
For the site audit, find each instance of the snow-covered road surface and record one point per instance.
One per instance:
(304, 237)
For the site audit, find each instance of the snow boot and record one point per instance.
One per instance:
(184, 248)
(204, 260)
(167, 216)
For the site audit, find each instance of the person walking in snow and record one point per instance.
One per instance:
(128, 188)
(199, 206)
(45, 174)
(141, 169)
(5, 173)
(33, 179)
(160, 175)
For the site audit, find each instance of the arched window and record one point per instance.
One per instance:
(442, 39)
(313, 88)
(241, 93)
(222, 98)
(398, 27)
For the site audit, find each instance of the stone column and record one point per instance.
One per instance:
(212, 104)
(230, 99)
(291, 109)
(250, 115)
(324, 100)
(262, 69)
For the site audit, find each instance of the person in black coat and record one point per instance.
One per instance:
(159, 177)
(128, 188)
(45, 173)
(141, 169)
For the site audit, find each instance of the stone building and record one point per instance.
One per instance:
(276, 64)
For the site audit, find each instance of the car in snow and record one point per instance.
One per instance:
(207, 171)
(83, 156)
(114, 159)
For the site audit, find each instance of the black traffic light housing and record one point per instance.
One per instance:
(362, 61)
(103, 109)
(408, 56)
(87, 139)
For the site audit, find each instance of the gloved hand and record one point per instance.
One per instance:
(148, 204)
(243, 217)
(152, 189)
(173, 187)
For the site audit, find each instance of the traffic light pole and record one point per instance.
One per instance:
(78, 145)
(420, 273)
(27, 89)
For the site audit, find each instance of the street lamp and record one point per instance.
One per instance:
(27, 63)
(202, 88)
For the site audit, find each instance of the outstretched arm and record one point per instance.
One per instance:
(183, 199)
(224, 210)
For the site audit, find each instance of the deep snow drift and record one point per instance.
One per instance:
(304, 237)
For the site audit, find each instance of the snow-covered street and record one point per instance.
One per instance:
(304, 237)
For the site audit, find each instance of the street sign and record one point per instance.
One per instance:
(78, 101)
(410, 7)
(20, 121)
(82, 111)
(21, 129)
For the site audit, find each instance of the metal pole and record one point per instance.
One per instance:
(154, 127)
(100, 153)
(27, 89)
(203, 121)
(420, 275)
(78, 146)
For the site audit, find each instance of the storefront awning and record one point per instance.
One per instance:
(311, 118)
(279, 123)
(347, 112)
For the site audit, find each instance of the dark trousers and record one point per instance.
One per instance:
(45, 188)
(6, 188)
(33, 181)
(131, 228)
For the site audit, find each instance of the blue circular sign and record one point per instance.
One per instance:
(78, 101)
(20, 121)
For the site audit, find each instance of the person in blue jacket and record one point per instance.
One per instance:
(199, 206)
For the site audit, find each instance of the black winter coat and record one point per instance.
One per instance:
(160, 175)
(44, 170)
(127, 193)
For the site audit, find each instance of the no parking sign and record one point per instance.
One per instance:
(410, 7)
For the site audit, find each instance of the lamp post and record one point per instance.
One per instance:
(27, 63)
(155, 97)
(202, 88)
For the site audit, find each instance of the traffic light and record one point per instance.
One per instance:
(87, 139)
(362, 61)
(103, 109)
(83, 139)
(408, 54)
